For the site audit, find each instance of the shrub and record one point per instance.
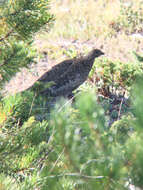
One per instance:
(114, 77)
(131, 17)
(75, 148)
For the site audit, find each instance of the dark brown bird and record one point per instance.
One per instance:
(69, 74)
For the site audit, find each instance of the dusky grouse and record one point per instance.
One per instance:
(69, 74)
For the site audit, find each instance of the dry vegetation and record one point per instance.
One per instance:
(93, 24)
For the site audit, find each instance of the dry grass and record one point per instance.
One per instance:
(84, 21)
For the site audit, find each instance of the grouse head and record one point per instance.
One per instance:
(95, 53)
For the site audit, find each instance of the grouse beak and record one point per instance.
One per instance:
(101, 54)
(98, 52)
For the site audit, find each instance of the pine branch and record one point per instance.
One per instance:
(6, 36)
(7, 60)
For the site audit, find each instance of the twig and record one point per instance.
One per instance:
(32, 104)
(89, 161)
(67, 103)
(119, 113)
(6, 36)
(57, 160)
(76, 175)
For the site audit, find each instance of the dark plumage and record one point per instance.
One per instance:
(69, 74)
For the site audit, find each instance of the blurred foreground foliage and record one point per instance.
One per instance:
(74, 148)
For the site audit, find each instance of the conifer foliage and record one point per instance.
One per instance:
(19, 21)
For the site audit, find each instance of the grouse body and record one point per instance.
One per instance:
(69, 74)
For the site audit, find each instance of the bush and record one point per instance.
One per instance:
(74, 149)
(114, 77)
(18, 108)
(130, 19)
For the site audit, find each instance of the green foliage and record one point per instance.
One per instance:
(40, 86)
(27, 17)
(20, 20)
(16, 109)
(14, 55)
(6, 183)
(21, 149)
(115, 75)
(138, 57)
(71, 52)
(137, 96)
(81, 136)
(74, 148)
(122, 129)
